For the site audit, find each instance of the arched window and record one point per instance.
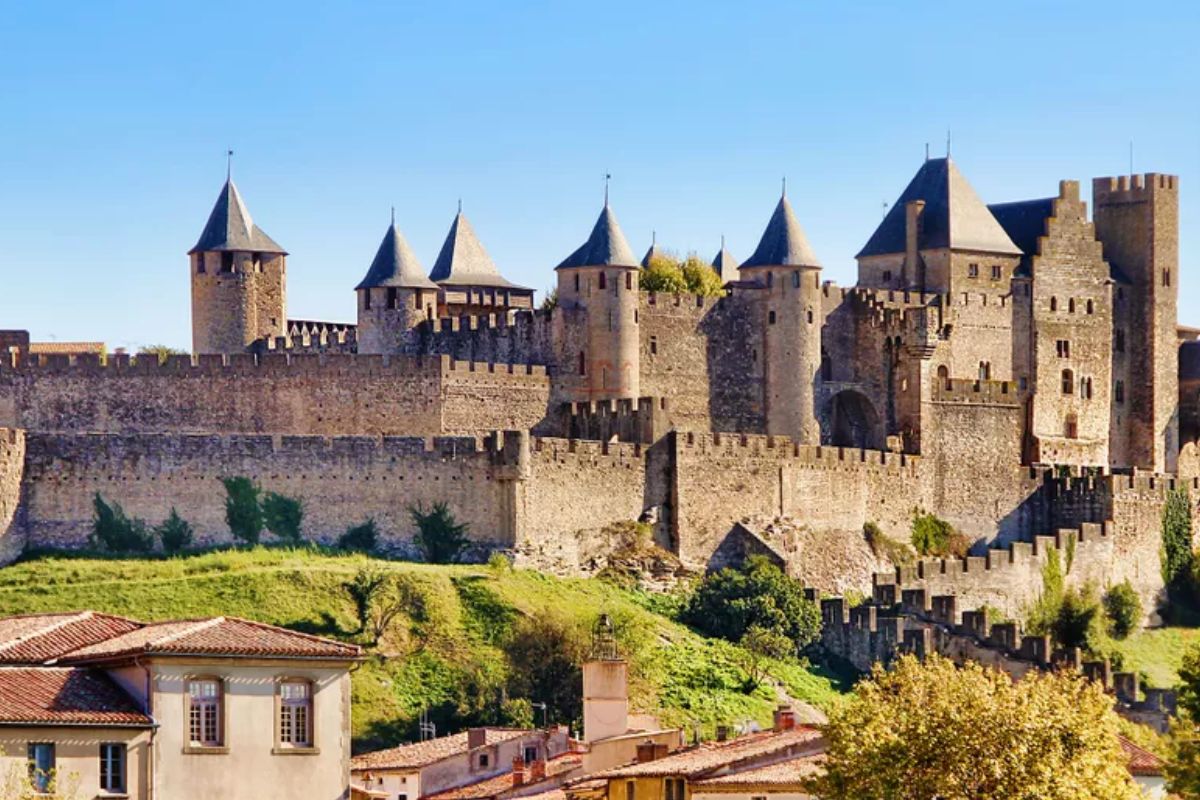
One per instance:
(770, 317)
(985, 370)
(1071, 427)
(1071, 306)
(1054, 304)
(1090, 307)
(943, 374)
(582, 364)
(1068, 382)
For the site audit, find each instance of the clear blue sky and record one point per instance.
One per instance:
(116, 117)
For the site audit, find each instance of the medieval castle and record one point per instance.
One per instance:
(1015, 368)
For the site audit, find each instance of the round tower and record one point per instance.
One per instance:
(598, 290)
(789, 277)
(394, 298)
(238, 279)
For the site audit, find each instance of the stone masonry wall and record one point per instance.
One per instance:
(275, 393)
(12, 467)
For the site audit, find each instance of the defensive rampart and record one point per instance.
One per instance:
(12, 468)
(278, 392)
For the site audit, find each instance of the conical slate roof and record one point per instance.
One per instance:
(395, 265)
(463, 261)
(653, 252)
(783, 243)
(230, 227)
(605, 247)
(724, 262)
(954, 216)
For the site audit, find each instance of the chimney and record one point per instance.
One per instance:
(537, 770)
(722, 733)
(476, 737)
(518, 771)
(913, 210)
(785, 719)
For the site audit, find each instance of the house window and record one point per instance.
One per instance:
(673, 789)
(996, 272)
(630, 790)
(484, 761)
(771, 318)
(204, 712)
(1119, 391)
(1071, 427)
(653, 345)
(112, 768)
(41, 767)
(603, 281)
(1068, 382)
(295, 713)
(1120, 340)
(531, 754)
(972, 270)
(1063, 348)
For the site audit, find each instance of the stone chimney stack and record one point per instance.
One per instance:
(476, 737)
(518, 771)
(785, 719)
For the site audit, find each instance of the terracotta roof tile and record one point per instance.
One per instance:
(38, 638)
(65, 696)
(556, 770)
(1141, 762)
(67, 348)
(215, 636)
(422, 754)
(696, 761)
(792, 772)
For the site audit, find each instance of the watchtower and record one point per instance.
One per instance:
(599, 282)
(1137, 220)
(394, 297)
(237, 280)
(789, 275)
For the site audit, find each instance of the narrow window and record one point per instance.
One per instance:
(112, 768)
(754, 356)
(582, 364)
(41, 767)
(1085, 388)
(810, 316)
(531, 754)
(391, 297)
(1166, 277)
(630, 790)
(771, 318)
(576, 281)
(1120, 293)
(985, 370)
(1119, 391)
(996, 272)
(653, 345)
(1063, 348)
(770, 279)
(1068, 382)
(943, 374)
(972, 270)
(635, 316)
(295, 714)
(603, 281)
(796, 279)
(226, 262)
(1120, 340)
(484, 761)
(256, 260)
(1071, 427)
(1023, 383)
(200, 263)
(204, 718)
(1054, 304)
(629, 280)
(1091, 308)
(826, 366)
(1071, 306)
(366, 299)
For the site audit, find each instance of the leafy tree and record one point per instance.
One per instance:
(931, 730)
(700, 278)
(160, 351)
(363, 588)
(758, 645)
(728, 603)
(363, 537)
(1079, 622)
(663, 274)
(1176, 554)
(174, 532)
(243, 513)
(1183, 764)
(283, 516)
(933, 536)
(1123, 608)
(113, 531)
(545, 656)
(440, 536)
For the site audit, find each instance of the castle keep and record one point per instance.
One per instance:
(985, 353)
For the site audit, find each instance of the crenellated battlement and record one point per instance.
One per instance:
(962, 390)
(701, 303)
(785, 449)
(515, 320)
(1133, 185)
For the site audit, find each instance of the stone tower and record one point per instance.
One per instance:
(469, 283)
(393, 298)
(237, 280)
(789, 276)
(598, 288)
(1137, 221)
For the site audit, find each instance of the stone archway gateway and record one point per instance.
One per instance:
(855, 422)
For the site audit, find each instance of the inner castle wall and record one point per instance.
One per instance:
(12, 469)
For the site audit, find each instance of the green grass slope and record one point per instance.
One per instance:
(1158, 652)
(683, 677)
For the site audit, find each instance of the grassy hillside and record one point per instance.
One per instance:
(456, 639)
(1158, 653)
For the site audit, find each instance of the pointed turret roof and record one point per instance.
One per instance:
(783, 243)
(654, 251)
(463, 261)
(230, 227)
(954, 216)
(724, 262)
(605, 247)
(395, 265)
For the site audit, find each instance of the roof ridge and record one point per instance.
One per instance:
(312, 637)
(57, 625)
(200, 625)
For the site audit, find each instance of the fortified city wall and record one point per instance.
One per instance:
(12, 469)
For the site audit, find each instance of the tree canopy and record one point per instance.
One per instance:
(934, 731)
(668, 275)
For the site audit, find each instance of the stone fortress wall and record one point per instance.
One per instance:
(12, 472)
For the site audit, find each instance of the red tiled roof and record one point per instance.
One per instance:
(1141, 762)
(67, 348)
(792, 772)
(38, 638)
(556, 768)
(696, 761)
(214, 636)
(422, 754)
(65, 696)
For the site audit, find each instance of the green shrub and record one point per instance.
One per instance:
(243, 514)
(728, 603)
(545, 654)
(662, 274)
(933, 536)
(700, 278)
(440, 537)
(283, 516)
(366, 584)
(363, 538)
(884, 546)
(1123, 608)
(174, 533)
(1176, 553)
(117, 533)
